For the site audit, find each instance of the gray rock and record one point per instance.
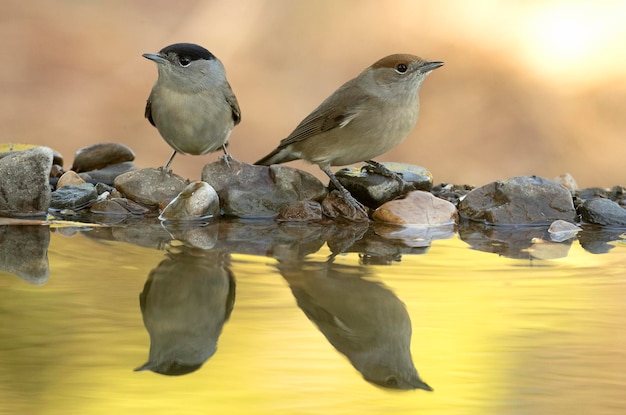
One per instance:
(417, 208)
(519, 200)
(24, 183)
(259, 191)
(603, 212)
(101, 155)
(151, 187)
(73, 196)
(197, 201)
(372, 188)
(109, 173)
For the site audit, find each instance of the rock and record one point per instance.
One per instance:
(14, 148)
(519, 200)
(101, 155)
(108, 174)
(197, 201)
(567, 181)
(561, 230)
(303, 211)
(417, 208)
(335, 206)
(108, 207)
(373, 188)
(69, 177)
(259, 191)
(451, 192)
(151, 187)
(24, 184)
(73, 196)
(603, 212)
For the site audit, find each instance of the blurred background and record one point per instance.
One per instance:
(528, 87)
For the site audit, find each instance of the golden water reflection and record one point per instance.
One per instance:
(490, 333)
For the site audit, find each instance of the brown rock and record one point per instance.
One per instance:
(417, 208)
(69, 177)
(101, 155)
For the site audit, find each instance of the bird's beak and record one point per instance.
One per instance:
(427, 67)
(158, 58)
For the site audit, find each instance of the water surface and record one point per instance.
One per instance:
(257, 318)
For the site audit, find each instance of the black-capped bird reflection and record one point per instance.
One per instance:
(362, 319)
(185, 302)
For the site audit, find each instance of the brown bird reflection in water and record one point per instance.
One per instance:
(362, 319)
(185, 302)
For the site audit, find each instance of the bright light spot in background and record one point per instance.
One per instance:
(575, 42)
(568, 44)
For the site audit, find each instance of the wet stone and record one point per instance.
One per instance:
(335, 206)
(372, 187)
(25, 188)
(306, 210)
(99, 156)
(150, 187)
(259, 191)
(108, 207)
(519, 200)
(451, 192)
(603, 212)
(73, 196)
(417, 208)
(197, 201)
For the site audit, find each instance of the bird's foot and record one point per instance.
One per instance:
(379, 168)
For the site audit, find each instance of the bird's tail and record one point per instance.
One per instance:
(278, 156)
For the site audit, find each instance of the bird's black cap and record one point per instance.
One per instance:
(190, 50)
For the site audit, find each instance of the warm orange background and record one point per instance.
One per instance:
(528, 87)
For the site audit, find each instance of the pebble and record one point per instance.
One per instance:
(73, 196)
(150, 187)
(373, 188)
(417, 208)
(69, 177)
(303, 211)
(99, 156)
(197, 201)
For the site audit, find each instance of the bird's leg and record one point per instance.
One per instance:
(358, 206)
(227, 157)
(380, 168)
(166, 168)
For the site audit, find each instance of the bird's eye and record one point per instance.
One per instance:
(184, 61)
(401, 68)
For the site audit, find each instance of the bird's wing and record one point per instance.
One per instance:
(332, 113)
(234, 105)
(148, 112)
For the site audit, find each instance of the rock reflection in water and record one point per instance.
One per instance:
(24, 252)
(362, 319)
(185, 302)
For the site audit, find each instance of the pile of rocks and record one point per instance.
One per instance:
(105, 186)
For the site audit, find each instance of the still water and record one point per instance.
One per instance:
(260, 318)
